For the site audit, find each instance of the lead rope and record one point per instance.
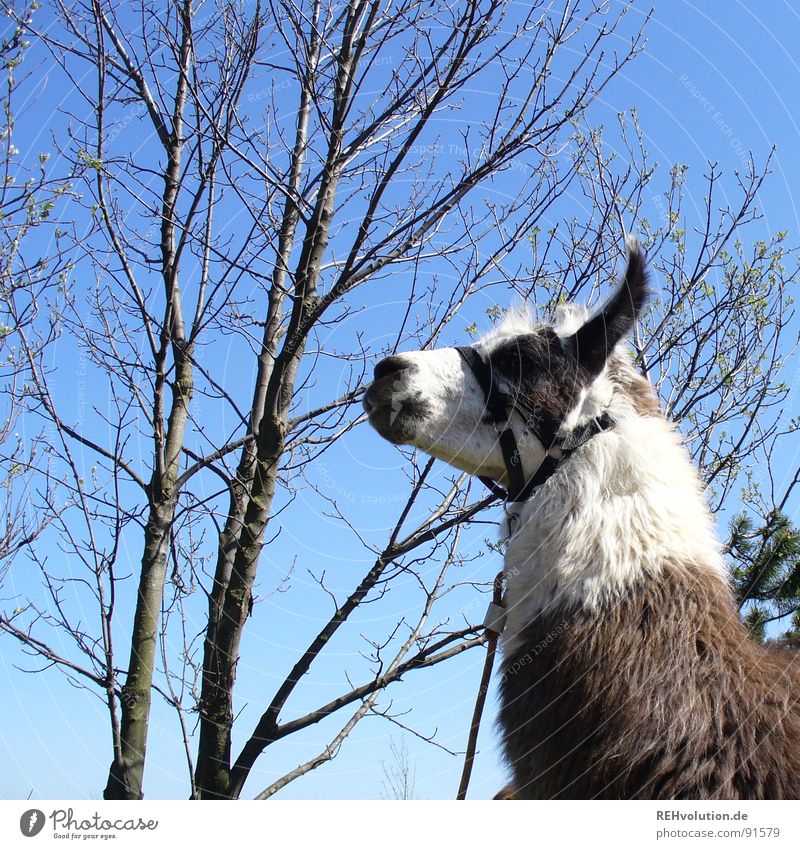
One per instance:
(493, 627)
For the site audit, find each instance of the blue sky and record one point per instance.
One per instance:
(716, 81)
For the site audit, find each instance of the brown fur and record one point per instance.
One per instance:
(658, 695)
(638, 389)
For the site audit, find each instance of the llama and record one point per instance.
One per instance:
(626, 670)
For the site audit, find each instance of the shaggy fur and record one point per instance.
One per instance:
(658, 694)
(627, 673)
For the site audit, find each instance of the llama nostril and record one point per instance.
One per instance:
(390, 365)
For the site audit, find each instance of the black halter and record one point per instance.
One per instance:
(543, 426)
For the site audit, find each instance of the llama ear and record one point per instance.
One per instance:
(595, 340)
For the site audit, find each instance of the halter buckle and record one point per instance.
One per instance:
(495, 619)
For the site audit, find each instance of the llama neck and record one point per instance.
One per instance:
(625, 505)
(658, 694)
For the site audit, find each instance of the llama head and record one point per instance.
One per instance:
(553, 375)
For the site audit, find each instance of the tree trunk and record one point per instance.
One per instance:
(126, 773)
(213, 774)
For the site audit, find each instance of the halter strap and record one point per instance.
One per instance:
(543, 427)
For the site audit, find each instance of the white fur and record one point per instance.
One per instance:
(569, 318)
(516, 321)
(627, 503)
(454, 429)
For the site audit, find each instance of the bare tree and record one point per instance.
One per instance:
(399, 775)
(249, 182)
(719, 333)
(34, 261)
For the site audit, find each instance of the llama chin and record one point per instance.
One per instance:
(627, 671)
